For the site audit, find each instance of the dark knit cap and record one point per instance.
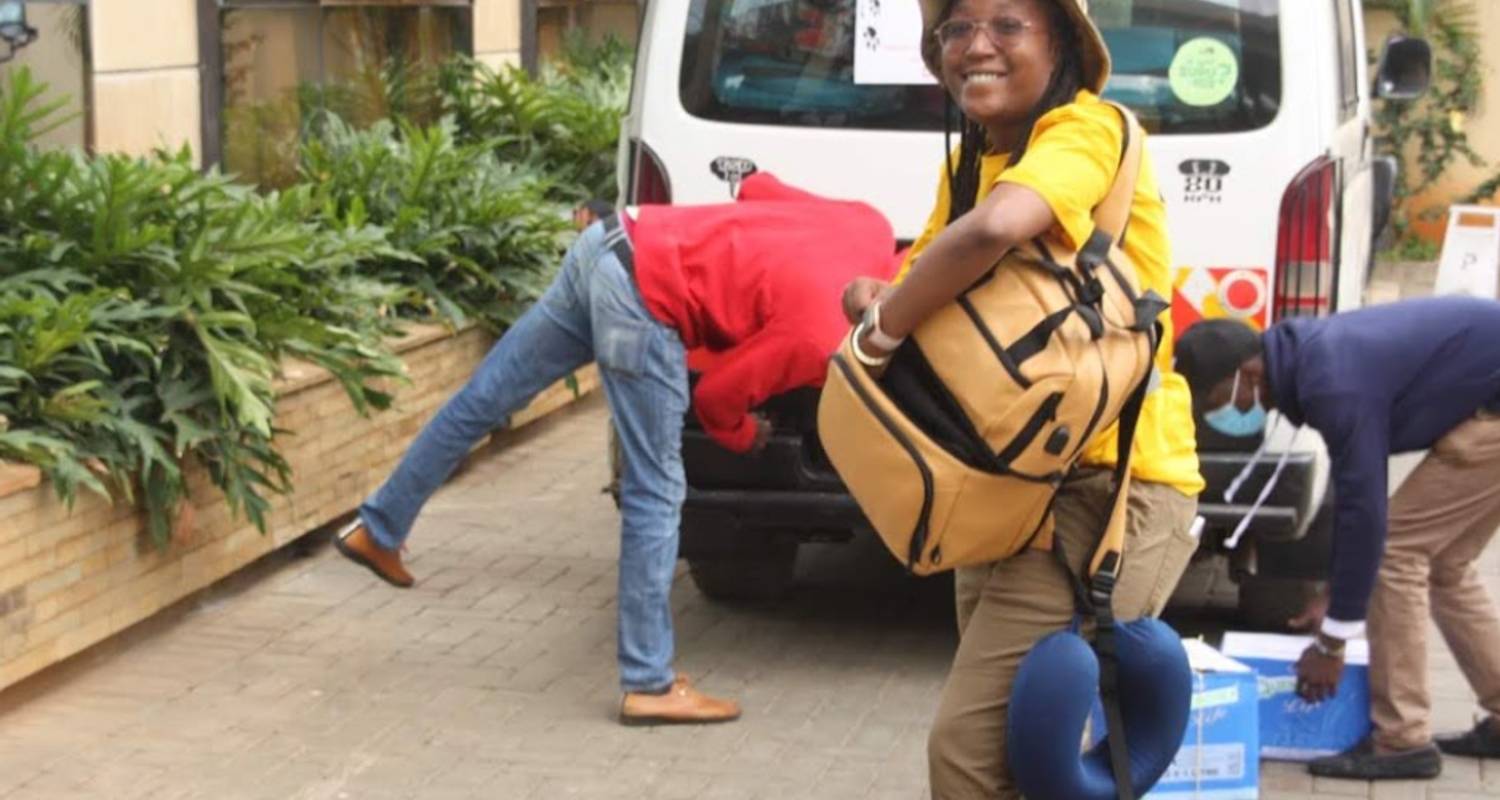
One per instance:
(1210, 351)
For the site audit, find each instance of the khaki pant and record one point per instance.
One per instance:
(1441, 519)
(1005, 608)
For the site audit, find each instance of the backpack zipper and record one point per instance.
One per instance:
(1045, 413)
(920, 532)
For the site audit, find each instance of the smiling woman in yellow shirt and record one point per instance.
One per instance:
(1039, 151)
(1070, 163)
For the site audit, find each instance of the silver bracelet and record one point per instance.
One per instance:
(878, 336)
(859, 353)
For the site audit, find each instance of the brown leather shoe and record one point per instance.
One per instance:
(680, 705)
(357, 546)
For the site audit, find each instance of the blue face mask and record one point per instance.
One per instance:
(1230, 421)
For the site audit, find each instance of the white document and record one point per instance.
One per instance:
(888, 43)
(1470, 262)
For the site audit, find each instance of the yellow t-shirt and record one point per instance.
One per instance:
(1071, 161)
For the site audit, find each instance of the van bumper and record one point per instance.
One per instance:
(788, 490)
(785, 491)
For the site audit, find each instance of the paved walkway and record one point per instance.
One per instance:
(494, 678)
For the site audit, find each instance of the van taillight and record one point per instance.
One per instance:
(648, 178)
(1306, 242)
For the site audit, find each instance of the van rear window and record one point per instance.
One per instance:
(791, 62)
(1195, 66)
(1185, 66)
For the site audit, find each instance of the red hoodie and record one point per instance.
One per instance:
(756, 283)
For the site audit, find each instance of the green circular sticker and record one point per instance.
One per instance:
(1204, 72)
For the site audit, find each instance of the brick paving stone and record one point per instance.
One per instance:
(1459, 775)
(1336, 788)
(306, 678)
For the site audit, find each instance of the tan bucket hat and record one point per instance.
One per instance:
(1095, 54)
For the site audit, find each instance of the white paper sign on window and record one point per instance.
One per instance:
(887, 47)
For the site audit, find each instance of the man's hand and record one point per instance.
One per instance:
(1311, 618)
(762, 433)
(1319, 673)
(859, 294)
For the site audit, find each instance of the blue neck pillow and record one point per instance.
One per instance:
(1055, 690)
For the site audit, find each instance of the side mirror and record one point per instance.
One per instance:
(1405, 69)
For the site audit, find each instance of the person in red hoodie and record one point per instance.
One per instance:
(755, 283)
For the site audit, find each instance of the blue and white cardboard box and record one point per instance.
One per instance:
(1218, 759)
(1292, 729)
(1218, 756)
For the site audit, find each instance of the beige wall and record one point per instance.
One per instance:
(497, 30)
(146, 87)
(1483, 125)
(146, 79)
(144, 34)
(55, 59)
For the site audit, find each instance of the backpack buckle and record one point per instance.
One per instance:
(1101, 589)
(1095, 251)
(1093, 291)
(1102, 583)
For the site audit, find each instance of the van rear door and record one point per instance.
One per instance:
(724, 86)
(1352, 149)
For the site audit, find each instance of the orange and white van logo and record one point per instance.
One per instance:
(1201, 293)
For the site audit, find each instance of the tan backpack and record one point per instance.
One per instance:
(956, 452)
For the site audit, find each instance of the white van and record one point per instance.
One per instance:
(1260, 115)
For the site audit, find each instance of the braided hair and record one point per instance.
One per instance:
(1066, 82)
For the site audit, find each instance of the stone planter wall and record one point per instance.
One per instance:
(71, 578)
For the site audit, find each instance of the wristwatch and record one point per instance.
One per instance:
(1329, 650)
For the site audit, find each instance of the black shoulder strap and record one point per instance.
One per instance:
(1095, 597)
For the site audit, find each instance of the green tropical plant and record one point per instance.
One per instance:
(565, 122)
(608, 61)
(144, 308)
(470, 238)
(269, 135)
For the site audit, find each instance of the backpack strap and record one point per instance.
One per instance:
(1104, 572)
(1094, 596)
(1112, 215)
(1105, 567)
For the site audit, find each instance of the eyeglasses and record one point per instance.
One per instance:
(1001, 31)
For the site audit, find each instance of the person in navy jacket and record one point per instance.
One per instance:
(751, 287)
(1404, 377)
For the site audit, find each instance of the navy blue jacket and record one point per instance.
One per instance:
(1382, 380)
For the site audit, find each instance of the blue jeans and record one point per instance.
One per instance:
(592, 312)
